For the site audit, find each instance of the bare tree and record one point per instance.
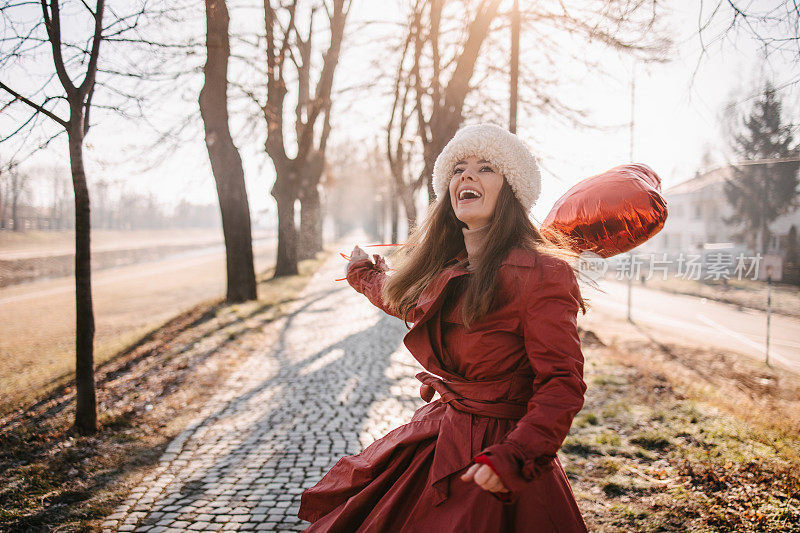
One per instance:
(13, 185)
(298, 177)
(773, 24)
(356, 175)
(455, 54)
(65, 98)
(226, 163)
(421, 95)
(78, 97)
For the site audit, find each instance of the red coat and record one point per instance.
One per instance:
(509, 390)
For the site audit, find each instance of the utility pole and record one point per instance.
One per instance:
(630, 159)
(633, 107)
(515, 24)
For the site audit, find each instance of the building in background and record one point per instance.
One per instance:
(695, 224)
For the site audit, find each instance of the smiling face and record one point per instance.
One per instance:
(474, 187)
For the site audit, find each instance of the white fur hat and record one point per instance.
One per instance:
(507, 152)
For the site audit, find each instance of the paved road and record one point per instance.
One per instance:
(692, 320)
(338, 378)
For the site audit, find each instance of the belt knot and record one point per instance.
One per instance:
(485, 397)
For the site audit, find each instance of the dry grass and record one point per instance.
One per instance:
(672, 439)
(51, 478)
(743, 387)
(37, 347)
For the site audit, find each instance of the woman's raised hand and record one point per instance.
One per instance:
(358, 254)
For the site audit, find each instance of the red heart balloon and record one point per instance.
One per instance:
(612, 212)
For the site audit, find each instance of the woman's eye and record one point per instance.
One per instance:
(487, 169)
(457, 170)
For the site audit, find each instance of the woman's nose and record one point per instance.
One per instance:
(467, 173)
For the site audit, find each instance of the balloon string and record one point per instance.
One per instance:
(347, 257)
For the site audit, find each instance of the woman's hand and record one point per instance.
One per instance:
(358, 254)
(485, 477)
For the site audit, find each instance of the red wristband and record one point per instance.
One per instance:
(484, 460)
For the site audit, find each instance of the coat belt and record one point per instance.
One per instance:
(476, 397)
(461, 433)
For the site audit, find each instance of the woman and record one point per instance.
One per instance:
(494, 308)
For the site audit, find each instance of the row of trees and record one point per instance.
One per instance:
(449, 60)
(66, 99)
(42, 199)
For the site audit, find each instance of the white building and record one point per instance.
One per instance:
(696, 208)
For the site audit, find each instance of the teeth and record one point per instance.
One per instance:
(463, 193)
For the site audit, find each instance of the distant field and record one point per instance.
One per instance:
(35, 256)
(37, 343)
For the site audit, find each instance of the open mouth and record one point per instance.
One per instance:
(468, 195)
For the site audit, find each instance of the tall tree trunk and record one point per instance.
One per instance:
(285, 195)
(445, 119)
(287, 187)
(395, 214)
(310, 223)
(311, 206)
(85, 400)
(226, 164)
(514, 92)
(374, 216)
(410, 207)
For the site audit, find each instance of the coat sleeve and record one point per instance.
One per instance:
(549, 318)
(364, 277)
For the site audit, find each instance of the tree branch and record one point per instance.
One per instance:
(91, 69)
(53, 26)
(35, 106)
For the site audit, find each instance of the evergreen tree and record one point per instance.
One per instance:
(762, 191)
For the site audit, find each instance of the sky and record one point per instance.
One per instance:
(675, 118)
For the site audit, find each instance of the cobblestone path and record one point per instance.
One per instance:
(337, 378)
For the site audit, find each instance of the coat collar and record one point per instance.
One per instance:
(431, 296)
(430, 300)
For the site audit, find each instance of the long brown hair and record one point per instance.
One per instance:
(439, 238)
